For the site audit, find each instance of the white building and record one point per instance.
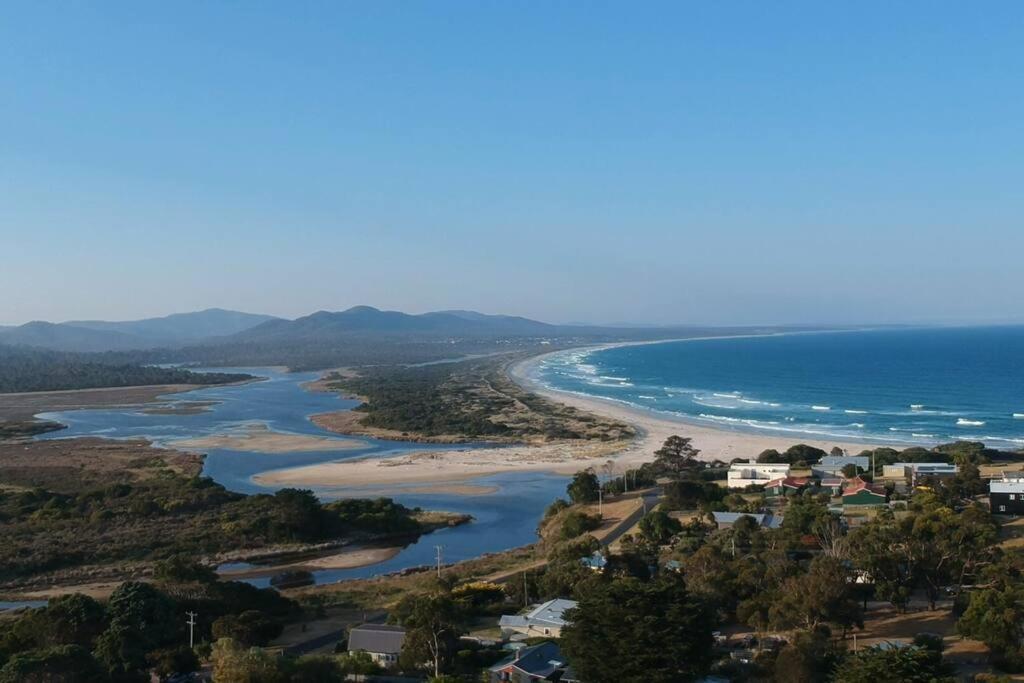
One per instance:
(742, 475)
(543, 620)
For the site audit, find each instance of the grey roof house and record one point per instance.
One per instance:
(725, 520)
(383, 642)
(542, 662)
(546, 619)
(832, 465)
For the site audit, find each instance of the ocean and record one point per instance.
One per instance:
(892, 386)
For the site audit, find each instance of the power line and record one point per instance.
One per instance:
(191, 628)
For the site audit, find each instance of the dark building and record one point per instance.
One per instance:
(1006, 496)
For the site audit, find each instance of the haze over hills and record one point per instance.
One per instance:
(97, 335)
(366, 320)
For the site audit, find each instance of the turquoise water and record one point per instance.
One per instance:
(502, 520)
(908, 386)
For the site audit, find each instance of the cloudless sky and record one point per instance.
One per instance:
(690, 162)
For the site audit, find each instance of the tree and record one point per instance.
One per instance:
(653, 631)
(173, 660)
(676, 456)
(358, 663)
(250, 628)
(65, 663)
(850, 470)
(142, 619)
(995, 616)
(233, 663)
(807, 658)
(576, 523)
(433, 625)
(659, 527)
(182, 568)
(688, 494)
(822, 596)
(583, 488)
(894, 665)
(319, 669)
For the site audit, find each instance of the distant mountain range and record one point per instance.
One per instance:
(220, 337)
(363, 321)
(167, 332)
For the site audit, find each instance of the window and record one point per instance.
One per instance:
(1013, 496)
(1002, 508)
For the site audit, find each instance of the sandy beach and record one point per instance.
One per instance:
(258, 437)
(444, 469)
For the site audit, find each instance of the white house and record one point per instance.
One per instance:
(543, 620)
(742, 475)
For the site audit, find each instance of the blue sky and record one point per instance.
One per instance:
(739, 162)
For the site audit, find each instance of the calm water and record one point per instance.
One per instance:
(502, 520)
(921, 386)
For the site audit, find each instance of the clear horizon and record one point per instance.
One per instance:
(664, 164)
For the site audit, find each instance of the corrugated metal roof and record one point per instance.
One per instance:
(380, 638)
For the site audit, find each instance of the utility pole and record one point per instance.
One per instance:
(734, 547)
(437, 549)
(191, 628)
(526, 592)
(600, 499)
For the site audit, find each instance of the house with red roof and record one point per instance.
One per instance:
(786, 486)
(859, 493)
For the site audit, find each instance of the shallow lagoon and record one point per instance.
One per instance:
(502, 520)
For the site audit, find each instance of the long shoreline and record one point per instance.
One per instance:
(654, 428)
(442, 469)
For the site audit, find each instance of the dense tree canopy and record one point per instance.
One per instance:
(628, 631)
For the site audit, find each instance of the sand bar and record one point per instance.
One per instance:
(261, 439)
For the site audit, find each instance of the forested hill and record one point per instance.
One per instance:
(25, 369)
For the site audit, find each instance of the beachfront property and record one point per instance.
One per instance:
(912, 472)
(725, 520)
(834, 485)
(744, 474)
(860, 494)
(541, 662)
(1006, 495)
(786, 486)
(546, 619)
(832, 465)
(383, 642)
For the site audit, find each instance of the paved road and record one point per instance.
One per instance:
(651, 498)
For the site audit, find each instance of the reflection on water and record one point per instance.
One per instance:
(502, 520)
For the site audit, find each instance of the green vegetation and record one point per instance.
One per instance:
(25, 369)
(20, 429)
(148, 506)
(627, 631)
(470, 399)
(139, 629)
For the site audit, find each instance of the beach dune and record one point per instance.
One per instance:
(427, 468)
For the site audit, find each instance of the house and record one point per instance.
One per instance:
(725, 520)
(383, 642)
(832, 465)
(541, 662)
(833, 485)
(913, 472)
(597, 562)
(858, 493)
(546, 619)
(742, 475)
(1006, 495)
(786, 486)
